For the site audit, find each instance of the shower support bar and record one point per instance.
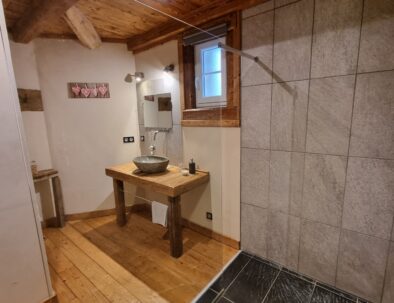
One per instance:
(246, 55)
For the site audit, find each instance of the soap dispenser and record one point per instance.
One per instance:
(192, 167)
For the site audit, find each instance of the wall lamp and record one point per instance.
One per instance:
(169, 68)
(137, 75)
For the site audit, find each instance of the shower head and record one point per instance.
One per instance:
(137, 75)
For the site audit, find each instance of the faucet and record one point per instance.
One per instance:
(152, 148)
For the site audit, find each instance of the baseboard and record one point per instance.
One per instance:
(90, 214)
(105, 212)
(144, 207)
(50, 222)
(52, 299)
(211, 234)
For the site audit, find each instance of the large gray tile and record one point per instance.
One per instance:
(377, 36)
(319, 251)
(293, 36)
(361, 264)
(257, 39)
(258, 9)
(254, 176)
(286, 179)
(369, 197)
(254, 229)
(336, 37)
(324, 184)
(255, 116)
(388, 292)
(289, 112)
(283, 239)
(329, 115)
(373, 116)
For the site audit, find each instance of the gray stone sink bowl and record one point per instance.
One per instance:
(151, 164)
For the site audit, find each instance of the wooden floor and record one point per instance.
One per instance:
(94, 260)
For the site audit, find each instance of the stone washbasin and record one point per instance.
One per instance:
(151, 164)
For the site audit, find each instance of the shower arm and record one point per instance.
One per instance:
(258, 61)
(246, 55)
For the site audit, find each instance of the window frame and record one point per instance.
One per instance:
(201, 100)
(219, 116)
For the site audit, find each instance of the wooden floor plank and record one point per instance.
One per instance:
(134, 258)
(71, 277)
(63, 292)
(154, 257)
(109, 287)
(117, 272)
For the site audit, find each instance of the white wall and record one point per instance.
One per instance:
(23, 274)
(26, 75)
(86, 135)
(214, 149)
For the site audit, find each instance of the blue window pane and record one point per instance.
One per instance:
(212, 85)
(211, 60)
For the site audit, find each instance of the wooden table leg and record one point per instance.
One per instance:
(174, 226)
(58, 199)
(119, 202)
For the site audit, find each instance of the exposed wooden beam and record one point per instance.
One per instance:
(171, 29)
(82, 27)
(32, 23)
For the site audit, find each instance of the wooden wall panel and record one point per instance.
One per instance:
(30, 100)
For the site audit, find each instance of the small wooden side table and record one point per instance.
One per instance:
(53, 177)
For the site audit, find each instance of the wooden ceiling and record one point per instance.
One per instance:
(114, 20)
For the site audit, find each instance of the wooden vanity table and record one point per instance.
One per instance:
(170, 183)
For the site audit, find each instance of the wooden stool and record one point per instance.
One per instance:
(53, 177)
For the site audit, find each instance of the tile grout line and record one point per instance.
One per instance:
(341, 229)
(339, 293)
(270, 132)
(231, 283)
(270, 10)
(322, 77)
(314, 221)
(272, 284)
(387, 261)
(313, 290)
(306, 132)
(315, 153)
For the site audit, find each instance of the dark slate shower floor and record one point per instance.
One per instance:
(249, 279)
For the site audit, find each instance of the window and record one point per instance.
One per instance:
(210, 74)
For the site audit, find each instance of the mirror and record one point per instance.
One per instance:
(157, 111)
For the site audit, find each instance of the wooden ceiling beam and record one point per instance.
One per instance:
(82, 28)
(171, 29)
(31, 24)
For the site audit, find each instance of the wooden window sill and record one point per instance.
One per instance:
(212, 116)
(218, 116)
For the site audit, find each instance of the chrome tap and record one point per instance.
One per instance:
(152, 148)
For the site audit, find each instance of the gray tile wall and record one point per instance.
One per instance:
(317, 165)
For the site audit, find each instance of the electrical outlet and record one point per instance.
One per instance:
(128, 139)
(209, 215)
